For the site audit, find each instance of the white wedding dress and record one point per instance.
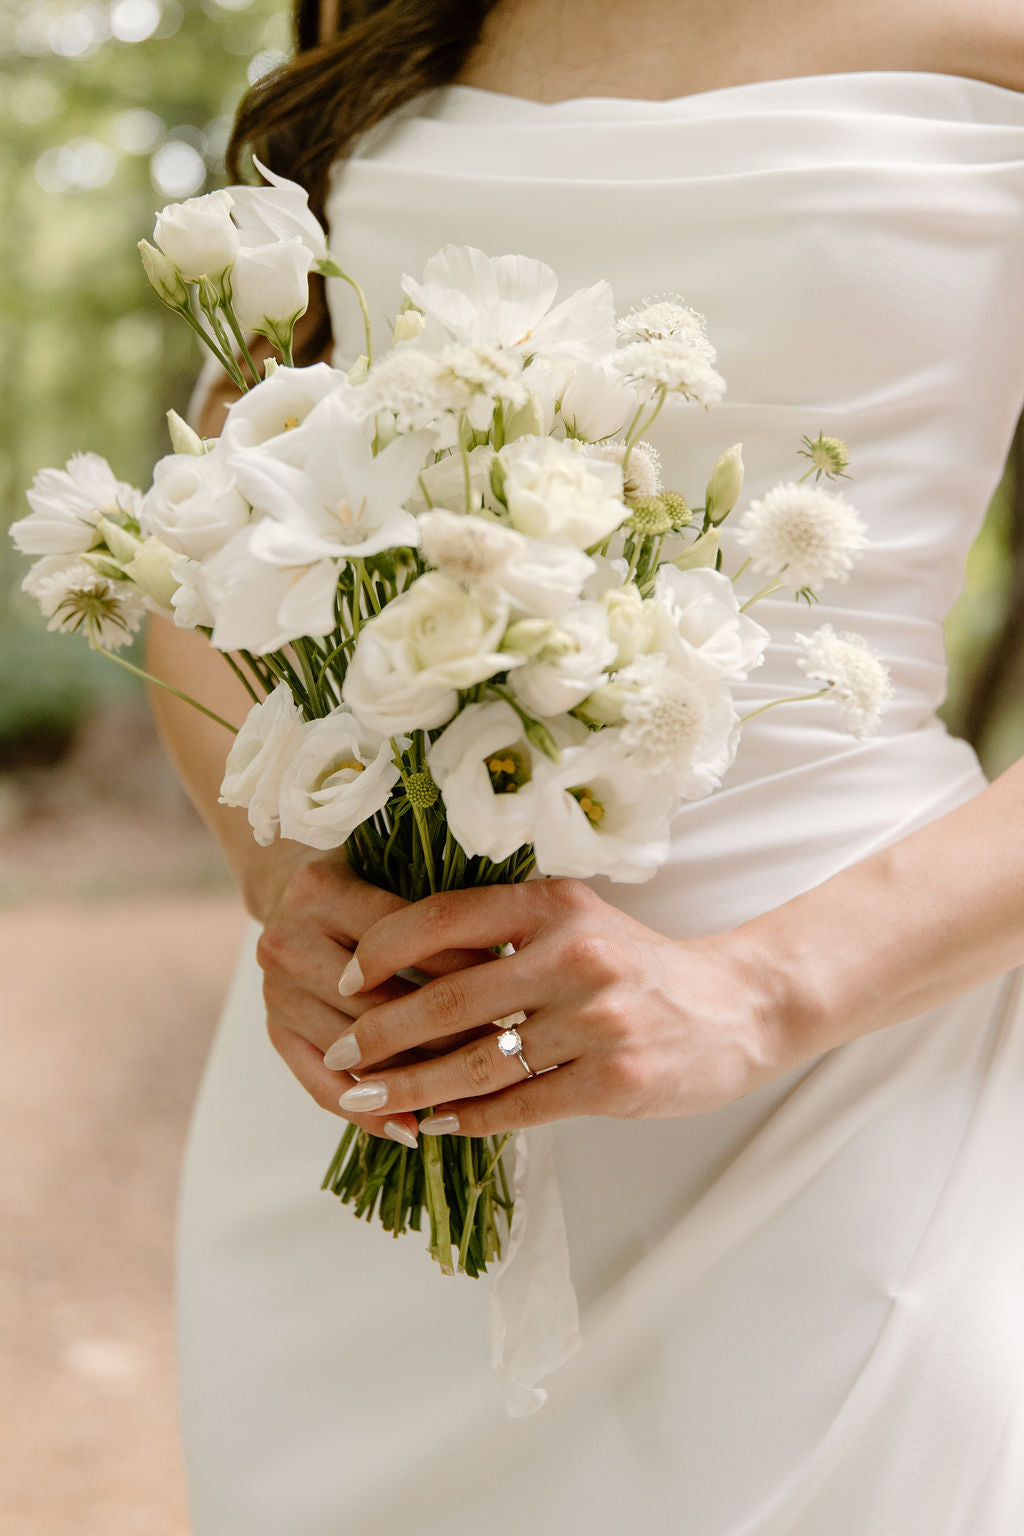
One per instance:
(802, 1315)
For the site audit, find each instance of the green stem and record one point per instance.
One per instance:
(360, 295)
(226, 361)
(794, 698)
(149, 678)
(772, 587)
(236, 669)
(236, 331)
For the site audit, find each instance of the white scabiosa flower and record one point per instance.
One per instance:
(663, 317)
(415, 388)
(683, 369)
(489, 373)
(643, 469)
(269, 738)
(486, 771)
(802, 535)
(79, 599)
(67, 504)
(857, 676)
(554, 490)
(679, 720)
(570, 666)
(338, 775)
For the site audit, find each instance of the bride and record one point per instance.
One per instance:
(771, 1266)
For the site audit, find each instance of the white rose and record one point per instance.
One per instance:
(339, 776)
(259, 755)
(194, 505)
(703, 609)
(411, 659)
(198, 235)
(270, 286)
(278, 212)
(570, 668)
(67, 505)
(555, 491)
(484, 768)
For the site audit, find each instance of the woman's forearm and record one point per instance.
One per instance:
(907, 929)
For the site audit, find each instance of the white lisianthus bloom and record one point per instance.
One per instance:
(554, 490)
(570, 666)
(79, 599)
(412, 658)
(703, 609)
(684, 369)
(679, 720)
(281, 403)
(198, 236)
(268, 740)
(191, 610)
(857, 676)
(642, 472)
(508, 301)
(335, 496)
(270, 286)
(445, 483)
(67, 504)
(596, 402)
(194, 505)
(536, 576)
(802, 535)
(269, 584)
(339, 775)
(278, 212)
(485, 769)
(598, 813)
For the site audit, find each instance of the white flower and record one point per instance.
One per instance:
(412, 658)
(191, 610)
(643, 470)
(269, 584)
(803, 534)
(598, 813)
(535, 576)
(857, 676)
(506, 301)
(703, 610)
(337, 777)
(278, 212)
(554, 490)
(679, 720)
(570, 666)
(596, 402)
(79, 599)
(198, 235)
(414, 386)
(726, 484)
(489, 373)
(269, 738)
(485, 769)
(194, 504)
(67, 503)
(662, 318)
(684, 369)
(280, 403)
(270, 287)
(445, 483)
(151, 568)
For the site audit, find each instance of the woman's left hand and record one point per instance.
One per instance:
(638, 1025)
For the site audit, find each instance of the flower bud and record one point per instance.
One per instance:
(409, 324)
(270, 287)
(164, 277)
(357, 373)
(725, 485)
(183, 439)
(198, 237)
(528, 637)
(525, 421)
(537, 733)
(603, 706)
(702, 552)
(151, 571)
(121, 544)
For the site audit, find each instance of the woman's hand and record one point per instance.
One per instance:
(311, 926)
(638, 1025)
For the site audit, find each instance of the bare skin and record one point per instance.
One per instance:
(925, 920)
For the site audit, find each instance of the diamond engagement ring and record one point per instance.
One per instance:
(510, 1044)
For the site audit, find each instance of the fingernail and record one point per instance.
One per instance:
(400, 1133)
(351, 978)
(364, 1096)
(440, 1125)
(344, 1053)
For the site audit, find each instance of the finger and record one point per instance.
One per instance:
(478, 918)
(329, 892)
(307, 1064)
(556, 1095)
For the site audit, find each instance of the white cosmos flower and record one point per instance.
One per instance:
(535, 576)
(79, 599)
(704, 611)
(67, 503)
(570, 666)
(597, 402)
(802, 534)
(679, 720)
(508, 301)
(334, 495)
(683, 368)
(194, 505)
(412, 658)
(270, 286)
(599, 813)
(642, 472)
(269, 738)
(485, 769)
(857, 676)
(280, 403)
(555, 490)
(338, 776)
(197, 235)
(278, 212)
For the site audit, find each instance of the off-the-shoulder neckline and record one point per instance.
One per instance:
(774, 82)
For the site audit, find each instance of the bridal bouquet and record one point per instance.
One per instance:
(483, 640)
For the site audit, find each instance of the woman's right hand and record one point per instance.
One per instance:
(310, 927)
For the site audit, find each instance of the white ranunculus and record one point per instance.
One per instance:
(412, 658)
(556, 491)
(198, 235)
(704, 610)
(485, 769)
(598, 814)
(280, 404)
(596, 402)
(268, 740)
(67, 504)
(270, 286)
(194, 505)
(570, 667)
(338, 776)
(278, 212)
(269, 585)
(536, 576)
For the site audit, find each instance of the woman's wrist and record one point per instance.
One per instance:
(798, 1015)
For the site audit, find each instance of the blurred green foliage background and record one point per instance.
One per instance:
(108, 110)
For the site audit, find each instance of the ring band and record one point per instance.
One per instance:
(510, 1044)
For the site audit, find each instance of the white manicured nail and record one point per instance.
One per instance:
(344, 1053)
(364, 1096)
(400, 1133)
(351, 978)
(440, 1125)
